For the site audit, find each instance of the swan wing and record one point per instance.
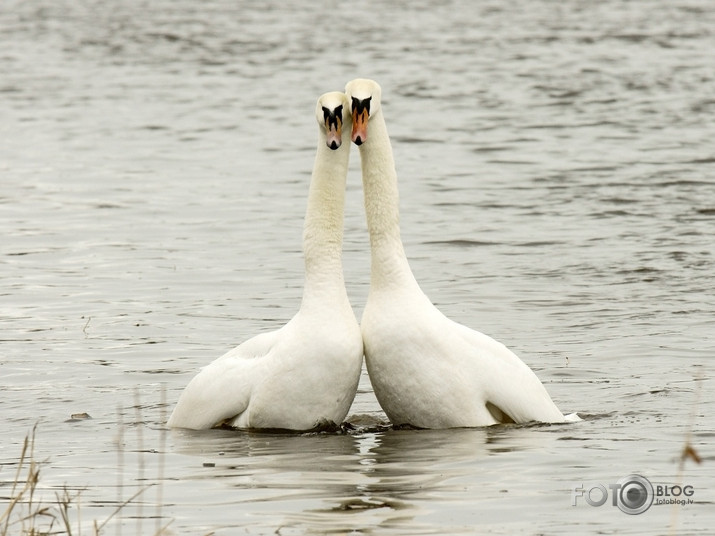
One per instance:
(513, 391)
(221, 391)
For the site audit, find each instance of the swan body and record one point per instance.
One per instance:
(426, 370)
(305, 374)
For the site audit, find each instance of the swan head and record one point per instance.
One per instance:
(332, 112)
(364, 98)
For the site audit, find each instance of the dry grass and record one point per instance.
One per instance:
(688, 452)
(27, 513)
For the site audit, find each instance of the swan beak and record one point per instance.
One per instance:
(333, 126)
(360, 117)
(335, 132)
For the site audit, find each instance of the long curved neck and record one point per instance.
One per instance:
(389, 266)
(323, 227)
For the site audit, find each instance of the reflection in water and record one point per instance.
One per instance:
(352, 481)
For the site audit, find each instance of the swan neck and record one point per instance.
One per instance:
(389, 265)
(323, 227)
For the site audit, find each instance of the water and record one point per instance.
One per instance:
(557, 190)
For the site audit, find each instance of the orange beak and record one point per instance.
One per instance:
(359, 133)
(334, 126)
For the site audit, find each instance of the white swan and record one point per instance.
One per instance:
(305, 374)
(425, 369)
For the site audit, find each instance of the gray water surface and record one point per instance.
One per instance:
(557, 183)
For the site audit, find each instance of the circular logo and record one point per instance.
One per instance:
(635, 494)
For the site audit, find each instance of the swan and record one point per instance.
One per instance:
(426, 370)
(304, 375)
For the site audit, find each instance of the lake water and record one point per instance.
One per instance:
(557, 182)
